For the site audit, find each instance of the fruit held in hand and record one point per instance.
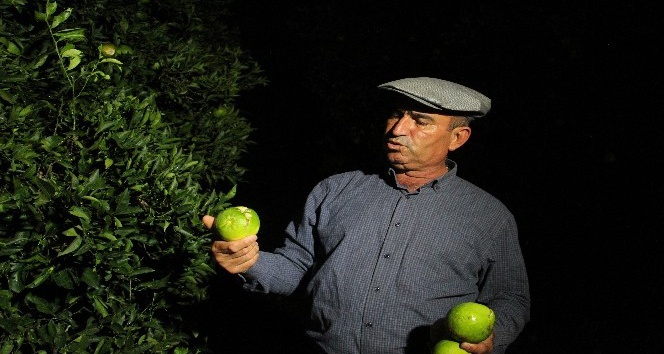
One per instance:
(446, 346)
(237, 222)
(470, 322)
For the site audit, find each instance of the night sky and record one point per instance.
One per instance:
(572, 145)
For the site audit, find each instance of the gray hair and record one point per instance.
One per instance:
(459, 121)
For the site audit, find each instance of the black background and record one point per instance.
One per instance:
(572, 145)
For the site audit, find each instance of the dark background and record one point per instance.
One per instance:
(572, 145)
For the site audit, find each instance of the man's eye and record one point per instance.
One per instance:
(397, 114)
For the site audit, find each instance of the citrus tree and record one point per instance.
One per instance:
(118, 131)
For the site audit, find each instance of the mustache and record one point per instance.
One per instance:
(400, 140)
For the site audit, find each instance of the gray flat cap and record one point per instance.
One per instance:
(442, 95)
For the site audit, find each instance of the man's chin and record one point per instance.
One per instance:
(397, 164)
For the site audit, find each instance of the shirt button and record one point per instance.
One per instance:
(397, 224)
(377, 288)
(368, 324)
(386, 256)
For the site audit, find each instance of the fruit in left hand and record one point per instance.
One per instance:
(237, 222)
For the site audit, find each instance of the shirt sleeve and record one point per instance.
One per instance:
(505, 286)
(281, 271)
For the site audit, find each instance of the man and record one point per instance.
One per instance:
(383, 256)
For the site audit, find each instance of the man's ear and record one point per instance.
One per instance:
(459, 137)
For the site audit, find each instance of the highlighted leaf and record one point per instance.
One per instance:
(62, 17)
(73, 62)
(73, 246)
(80, 212)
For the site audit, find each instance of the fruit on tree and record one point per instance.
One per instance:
(237, 222)
(107, 50)
(470, 322)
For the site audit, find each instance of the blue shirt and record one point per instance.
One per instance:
(380, 264)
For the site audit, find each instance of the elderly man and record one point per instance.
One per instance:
(383, 256)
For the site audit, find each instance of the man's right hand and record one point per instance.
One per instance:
(234, 256)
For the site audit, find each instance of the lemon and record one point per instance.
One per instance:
(470, 322)
(237, 222)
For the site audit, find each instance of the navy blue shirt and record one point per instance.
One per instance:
(380, 263)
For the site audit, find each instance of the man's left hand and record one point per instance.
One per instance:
(485, 347)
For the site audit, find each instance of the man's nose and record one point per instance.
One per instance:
(402, 124)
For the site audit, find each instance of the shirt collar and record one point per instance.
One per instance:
(436, 184)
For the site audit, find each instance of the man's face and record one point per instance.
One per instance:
(419, 142)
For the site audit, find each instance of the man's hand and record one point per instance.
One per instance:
(485, 347)
(234, 256)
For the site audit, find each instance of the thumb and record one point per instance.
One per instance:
(208, 221)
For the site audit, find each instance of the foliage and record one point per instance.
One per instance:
(117, 130)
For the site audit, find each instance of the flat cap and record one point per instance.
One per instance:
(442, 95)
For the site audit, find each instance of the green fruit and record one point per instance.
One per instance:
(108, 50)
(448, 347)
(237, 222)
(470, 322)
(220, 112)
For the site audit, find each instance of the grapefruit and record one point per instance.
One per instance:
(237, 222)
(446, 346)
(470, 322)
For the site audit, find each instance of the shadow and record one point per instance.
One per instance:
(419, 341)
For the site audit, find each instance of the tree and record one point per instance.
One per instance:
(117, 132)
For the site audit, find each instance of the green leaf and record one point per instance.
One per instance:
(70, 232)
(80, 212)
(16, 282)
(5, 299)
(13, 48)
(140, 271)
(111, 60)
(40, 16)
(7, 96)
(231, 193)
(73, 246)
(71, 35)
(155, 284)
(72, 52)
(62, 17)
(40, 62)
(7, 348)
(42, 277)
(90, 277)
(42, 305)
(50, 8)
(73, 62)
(63, 279)
(100, 306)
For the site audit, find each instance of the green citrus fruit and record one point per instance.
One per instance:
(108, 50)
(237, 222)
(446, 346)
(470, 322)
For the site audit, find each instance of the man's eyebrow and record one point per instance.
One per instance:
(420, 115)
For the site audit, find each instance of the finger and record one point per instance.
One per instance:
(237, 245)
(208, 221)
(235, 248)
(243, 266)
